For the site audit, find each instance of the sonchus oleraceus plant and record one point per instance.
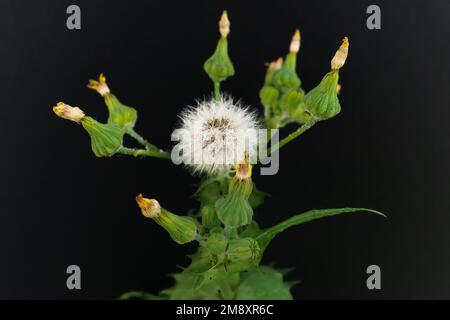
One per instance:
(216, 139)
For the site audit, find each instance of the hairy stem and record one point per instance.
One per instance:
(141, 140)
(146, 153)
(293, 135)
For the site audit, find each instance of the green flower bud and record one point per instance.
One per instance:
(286, 77)
(234, 209)
(106, 139)
(182, 229)
(119, 114)
(209, 216)
(217, 242)
(291, 101)
(322, 102)
(242, 254)
(271, 69)
(219, 66)
(209, 191)
(269, 96)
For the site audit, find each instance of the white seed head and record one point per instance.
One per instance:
(67, 112)
(215, 135)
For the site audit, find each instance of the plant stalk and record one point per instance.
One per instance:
(146, 153)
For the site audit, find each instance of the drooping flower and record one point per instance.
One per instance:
(216, 134)
(182, 229)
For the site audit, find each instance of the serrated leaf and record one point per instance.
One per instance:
(263, 283)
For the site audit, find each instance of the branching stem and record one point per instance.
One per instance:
(293, 135)
(145, 153)
(141, 140)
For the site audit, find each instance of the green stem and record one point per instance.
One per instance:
(293, 135)
(141, 152)
(217, 90)
(142, 141)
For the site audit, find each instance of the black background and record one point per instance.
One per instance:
(387, 150)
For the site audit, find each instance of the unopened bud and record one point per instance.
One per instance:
(224, 25)
(295, 42)
(340, 56)
(181, 229)
(65, 111)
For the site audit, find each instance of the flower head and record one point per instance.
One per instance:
(99, 85)
(150, 208)
(216, 135)
(67, 112)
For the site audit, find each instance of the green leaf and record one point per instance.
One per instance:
(185, 288)
(266, 235)
(263, 283)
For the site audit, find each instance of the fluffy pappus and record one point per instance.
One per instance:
(214, 135)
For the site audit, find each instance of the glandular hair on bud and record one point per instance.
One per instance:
(150, 208)
(295, 42)
(65, 111)
(224, 25)
(341, 55)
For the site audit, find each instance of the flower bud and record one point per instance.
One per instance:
(269, 96)
(224, 25)
(271, 69)
(209, 216)
(286, 77)
(291, 100)
(119, 114)
(219, 66)
(217, 242)
(234, 209)
(242, 254)
(295, 42)
(67, 112)
(182, 229)
(322, 102)
(340, 56)
(106, 139)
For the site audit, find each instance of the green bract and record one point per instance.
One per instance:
(181, 229)
(106, 139)
(234, 209)
(124, 116)
(287, 77)
(219, 66)
(322, 102)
